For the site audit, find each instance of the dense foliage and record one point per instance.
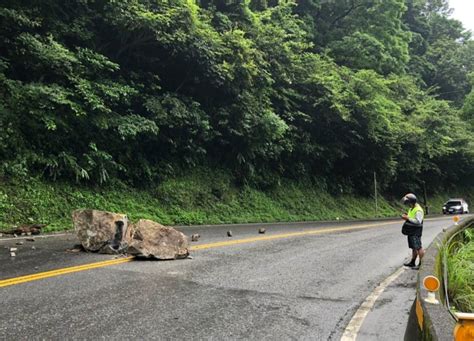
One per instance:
(200, 197)
(139, 90)
(459, 255)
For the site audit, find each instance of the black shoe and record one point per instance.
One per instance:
(410, 264)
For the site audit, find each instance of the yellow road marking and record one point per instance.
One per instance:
(72, 269)
(62, 271)
(286, 235)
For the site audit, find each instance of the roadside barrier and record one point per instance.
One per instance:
(434, 320)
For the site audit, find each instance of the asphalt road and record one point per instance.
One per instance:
(304, 287)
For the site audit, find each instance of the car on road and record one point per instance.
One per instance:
(453, 206)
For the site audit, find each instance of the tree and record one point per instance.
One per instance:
(138, 90)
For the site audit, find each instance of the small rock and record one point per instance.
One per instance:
(28, 233)
(15, 235)
(33, 247)
(35, 231)
(261, 230)
(36, 267)
(229, 233)
(13, 249)
(195, 237)
(23, 234)
(1, 235)
(19, 243)
(30, 239)
(76, 248)
(190, 257)
(12, 254)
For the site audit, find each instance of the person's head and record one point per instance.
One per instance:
(409, 199)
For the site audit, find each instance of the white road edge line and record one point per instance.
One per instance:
(352, 329)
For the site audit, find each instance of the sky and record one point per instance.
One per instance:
(464, 12)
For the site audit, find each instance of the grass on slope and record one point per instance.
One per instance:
(197, 198)
(461, 272)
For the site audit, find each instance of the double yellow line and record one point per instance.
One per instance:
(288, 235)
(72, 269)
(62, 271)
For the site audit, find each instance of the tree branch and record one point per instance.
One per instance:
(140, 40)
(345, 14)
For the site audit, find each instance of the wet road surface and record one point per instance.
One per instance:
(304, 287)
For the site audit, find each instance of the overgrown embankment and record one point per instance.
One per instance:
(461, 272)
(193, 199)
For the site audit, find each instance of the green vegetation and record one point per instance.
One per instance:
(105, 98)
(194, 199)
(200, 197)
(461, 272)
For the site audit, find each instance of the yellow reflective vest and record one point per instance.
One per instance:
(412, 211)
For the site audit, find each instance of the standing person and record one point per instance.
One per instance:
(413, 228)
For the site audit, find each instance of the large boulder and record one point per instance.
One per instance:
(153, 240)
(101, 231)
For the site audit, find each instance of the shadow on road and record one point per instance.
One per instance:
(412, 332)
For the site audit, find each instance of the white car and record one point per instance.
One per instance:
(453, 206)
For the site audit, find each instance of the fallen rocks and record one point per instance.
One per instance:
(101, 231)
(153, 240)
(195, 237)
(24, 230)
(229, 233)
(76, 248)
(19, 243)
(111, 233)
(262, 230)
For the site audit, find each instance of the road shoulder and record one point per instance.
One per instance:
(391, 311)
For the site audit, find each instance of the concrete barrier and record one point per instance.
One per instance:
(434, 321)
